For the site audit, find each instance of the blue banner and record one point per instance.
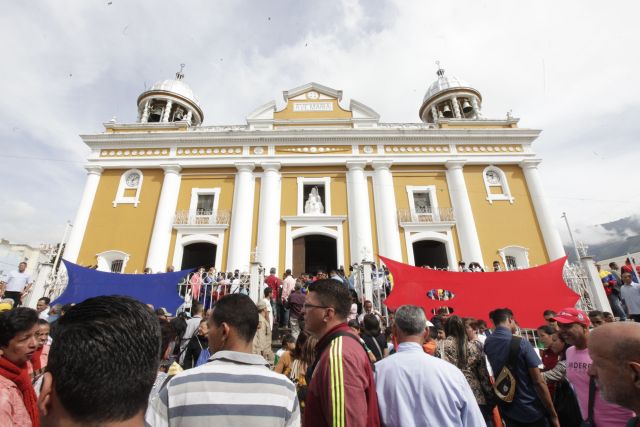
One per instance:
(161, 289)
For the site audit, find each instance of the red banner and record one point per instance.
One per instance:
(528, 293)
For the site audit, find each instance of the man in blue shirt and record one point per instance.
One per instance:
(417, 389)
(531, 405)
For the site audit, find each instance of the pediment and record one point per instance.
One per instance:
(313, 105)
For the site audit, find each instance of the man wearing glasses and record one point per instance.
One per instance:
(341, 387)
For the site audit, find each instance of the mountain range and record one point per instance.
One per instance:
(609, 240)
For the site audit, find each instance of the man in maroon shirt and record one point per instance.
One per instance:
(274, 283)
(295, 303)
(341, 388)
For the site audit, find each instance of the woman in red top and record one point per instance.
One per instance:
(553, 357)
(549, 358)
(18, 343)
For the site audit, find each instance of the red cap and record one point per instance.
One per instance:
(572, 315)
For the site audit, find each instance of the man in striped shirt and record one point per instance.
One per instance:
(235, 387)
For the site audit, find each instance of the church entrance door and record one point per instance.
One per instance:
(431, 253)
(198, 255)
(314, 252)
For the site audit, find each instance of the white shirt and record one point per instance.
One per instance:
(192, 328)
(375, 313)
(415, 389)
(631, 296)
(287, 287)
(269, 310)
(44, 314)
(17, 281)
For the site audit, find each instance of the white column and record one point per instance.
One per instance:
(269, 219)
(163, 225)
(167, 111)
(241, 218)
(360, 241)
(384, 197)
(465, 224)
(550, 233)
(456, 107)
(596, 290)
(72, 249)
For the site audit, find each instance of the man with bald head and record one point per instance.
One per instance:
(615, 351)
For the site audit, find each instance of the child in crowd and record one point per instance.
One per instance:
(288, 344)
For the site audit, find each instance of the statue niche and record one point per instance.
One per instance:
(314, 205)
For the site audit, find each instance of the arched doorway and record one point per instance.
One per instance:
(199, 254)
(314, 252)
(431, 253)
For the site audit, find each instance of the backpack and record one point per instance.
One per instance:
(505, 383)
(204, 357)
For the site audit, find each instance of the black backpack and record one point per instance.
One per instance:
(505, 383)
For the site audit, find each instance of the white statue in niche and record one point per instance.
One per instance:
(313, 204)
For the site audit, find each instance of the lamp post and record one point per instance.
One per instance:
(573, 241)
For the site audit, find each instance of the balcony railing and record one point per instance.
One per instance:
(202, 217)
(431, 216)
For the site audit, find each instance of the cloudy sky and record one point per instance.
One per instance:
(570, 68)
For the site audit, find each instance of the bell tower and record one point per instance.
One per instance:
(450, 98)
(170, 101)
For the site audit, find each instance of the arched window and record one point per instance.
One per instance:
(495, 182)
(515, 257)
(129, 188)
(112, 261)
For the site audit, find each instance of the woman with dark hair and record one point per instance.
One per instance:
(468, 356)
(169, 367)
(18, 343)
(198, 343)
(294, 363)
(374, 339)
(556, 371)
(548, 356)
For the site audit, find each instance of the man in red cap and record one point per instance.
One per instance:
(574, 328)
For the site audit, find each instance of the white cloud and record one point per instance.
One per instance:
(565, 67)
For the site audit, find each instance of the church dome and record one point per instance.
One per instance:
(442, 84)
(450, 97)
(170, 100)
(178, 87)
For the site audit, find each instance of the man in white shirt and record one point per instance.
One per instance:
(417, 389)
(368, 309)
(630, 293)
(18, 282)
(192, 327)
(42, 307)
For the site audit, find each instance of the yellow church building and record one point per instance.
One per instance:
(317, 183)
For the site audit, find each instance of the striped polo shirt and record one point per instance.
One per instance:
(232, 389)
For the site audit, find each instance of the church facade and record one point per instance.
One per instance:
(315, 183)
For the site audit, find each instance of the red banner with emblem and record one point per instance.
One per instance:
(528, 293)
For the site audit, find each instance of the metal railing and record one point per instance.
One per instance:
(578, 280)
(431, 216)
(207, 288)
(202, 217)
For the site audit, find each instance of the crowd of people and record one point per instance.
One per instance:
(622, 289)
(113, 360)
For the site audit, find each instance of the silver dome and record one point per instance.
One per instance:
(176, 86)
(444, 83)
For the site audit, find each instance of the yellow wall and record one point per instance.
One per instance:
(404, 176)
(501, 223)
(222, 178)
(124, 228)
